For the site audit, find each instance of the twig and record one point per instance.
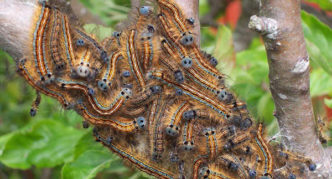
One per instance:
(280, 25)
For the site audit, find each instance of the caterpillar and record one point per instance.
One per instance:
(153, 97)
(38, 40)
(211, 142)
(56, 57)
(35, 105)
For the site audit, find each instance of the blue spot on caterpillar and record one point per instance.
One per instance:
(291, 176)
(178, 92)
(187, 39)
(191, 20)
(126, 74)
(140, 122)
(156, 89)
(252, 174)
(103, 53)
(178, 76)
(80, 42)
(145, 10)
(189, 115)
(187, 62)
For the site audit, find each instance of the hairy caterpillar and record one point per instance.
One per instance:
(152, 84)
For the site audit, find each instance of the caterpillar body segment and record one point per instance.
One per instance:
(55, 50)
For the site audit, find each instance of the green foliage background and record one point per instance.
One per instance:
(54, 142)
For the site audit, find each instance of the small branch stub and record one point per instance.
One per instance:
(265, 26)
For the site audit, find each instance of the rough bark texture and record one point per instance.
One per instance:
(13, 37)
(280, 25)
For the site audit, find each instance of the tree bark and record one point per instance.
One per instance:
(280, 25)
(14, 29)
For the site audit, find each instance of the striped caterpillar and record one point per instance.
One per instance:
(151, 83)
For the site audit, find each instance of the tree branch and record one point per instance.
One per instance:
(280, 25)
(14, 29)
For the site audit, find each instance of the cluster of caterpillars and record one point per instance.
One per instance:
(153, 96)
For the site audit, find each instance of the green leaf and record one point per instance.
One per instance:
(250, 81)
(101, 32)
(88, 164)
(110, 12)
(3, 141)
(46, 143)
(324, 4)
(90, 158)
(265, 108)
(224, 43)
(224, 50)
(320, 83)
(319, 41)
(328, 102)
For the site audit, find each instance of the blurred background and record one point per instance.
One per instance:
(53, 143)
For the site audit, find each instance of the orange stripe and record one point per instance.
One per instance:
(169, 50)
(39, 49)
(194, 92)
(100, 121)
(202, 80)
(69, 39)
(113, 63)
(190, 131)
(176, 13)
(111, 111)
(203, 61)
(166, 28)
(34, 85)
(212, 147)
(197, 165)
(87, 56)
(178, 116)
(262, 141)
(146, 54)
(134, 59)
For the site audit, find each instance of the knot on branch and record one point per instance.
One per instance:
(265, 26)
(301, 65)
